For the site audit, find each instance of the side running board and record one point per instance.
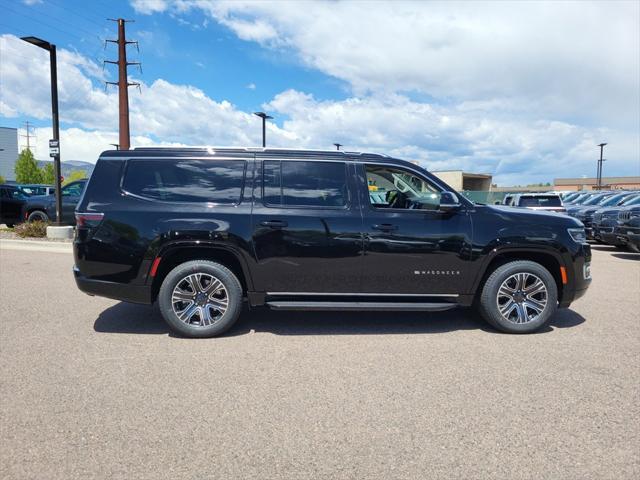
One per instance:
(361, 306)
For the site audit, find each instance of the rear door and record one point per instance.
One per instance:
(11, 204)
(411, 246)
(306, 226)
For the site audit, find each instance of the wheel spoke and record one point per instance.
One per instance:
(213, 287)
(187, 314)
(506, 291)
(536, 287)
(523, 316)
(534, 304)
(507, 308)
(182, 296)
(219, 304)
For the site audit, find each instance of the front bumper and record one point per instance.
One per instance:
(117, 291)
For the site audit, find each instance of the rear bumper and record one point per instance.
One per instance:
(117, 291)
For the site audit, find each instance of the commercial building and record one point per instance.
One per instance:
(8, 152)
(460, 180)
(609, 183)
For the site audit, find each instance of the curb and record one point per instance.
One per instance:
(36, 246)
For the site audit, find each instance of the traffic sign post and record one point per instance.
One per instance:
(54, 148)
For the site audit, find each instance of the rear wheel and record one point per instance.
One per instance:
(200, 298)
(38, 216)
(519, 297)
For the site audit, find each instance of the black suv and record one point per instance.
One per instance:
(198, 230)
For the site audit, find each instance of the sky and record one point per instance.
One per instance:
(520, 90)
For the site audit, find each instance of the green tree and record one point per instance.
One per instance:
(49, 174)
(2, 180)
(75, 175)
(26, 168)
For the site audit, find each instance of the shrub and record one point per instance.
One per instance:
(31, 229)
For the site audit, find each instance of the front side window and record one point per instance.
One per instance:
(73, 190)
(304, 184)
(391, 187)
(183, 180)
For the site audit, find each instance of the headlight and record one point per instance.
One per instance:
(578, 235)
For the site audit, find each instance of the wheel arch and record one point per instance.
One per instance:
(172, 256)
(549, 260)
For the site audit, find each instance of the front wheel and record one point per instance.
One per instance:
(200, 298)
(519, 297)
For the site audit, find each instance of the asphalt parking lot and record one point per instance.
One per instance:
(94, 388)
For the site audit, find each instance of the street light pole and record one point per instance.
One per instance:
(338, 145)
(599, 179)
(264, 118)
(53, 65)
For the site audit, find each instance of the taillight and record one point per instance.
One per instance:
(88, 220)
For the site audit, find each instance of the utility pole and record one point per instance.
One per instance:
(123, 82)
(338, 145)
(599, 178)
(264, 118)
(28, 127)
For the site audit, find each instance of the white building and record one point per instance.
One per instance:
(8, 152)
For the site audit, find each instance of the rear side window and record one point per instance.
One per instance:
(214, 181)
(304, 184)
(542, 201)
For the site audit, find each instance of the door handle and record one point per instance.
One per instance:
(274, 223)
(385, 227)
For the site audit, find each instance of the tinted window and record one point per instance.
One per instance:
(315, 184)
(546, 201)
(73, 189)
(215, 181)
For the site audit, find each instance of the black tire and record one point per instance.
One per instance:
(203, 268)
(489, 298)
(10, 225)
(38, 216)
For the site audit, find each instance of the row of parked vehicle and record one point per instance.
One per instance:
(21, 203)
(611, 217)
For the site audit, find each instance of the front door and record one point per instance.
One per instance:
(307, 227)
(411, 245)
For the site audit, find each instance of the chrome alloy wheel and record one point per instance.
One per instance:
(199, 299)
(521, 298)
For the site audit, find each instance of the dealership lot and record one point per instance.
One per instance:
(94, 388)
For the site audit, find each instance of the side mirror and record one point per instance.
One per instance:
(448, 201)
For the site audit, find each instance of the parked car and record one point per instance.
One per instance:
(585, 212)
(549, 202)
(605, 221)
(37, 189)
(198, 230)
(11, 201)
(626, 231)
(580, 199)
(43, 207)
(628, 228)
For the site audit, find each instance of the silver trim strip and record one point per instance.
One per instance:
(326, 294)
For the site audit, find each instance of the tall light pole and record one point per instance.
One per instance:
(599, 179)
(54, 144)
(338, 145)
(264, 118)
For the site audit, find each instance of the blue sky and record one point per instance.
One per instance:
(523, 91)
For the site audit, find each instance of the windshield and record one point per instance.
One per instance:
(541, 201)
(595, 200)
(581, 199)
(612, 200)
(632, 201)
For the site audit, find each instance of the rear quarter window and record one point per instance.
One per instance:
(193, 181)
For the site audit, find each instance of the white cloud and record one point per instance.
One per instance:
(251, 86)
(476, 135)
(566, 59)
(31, 2)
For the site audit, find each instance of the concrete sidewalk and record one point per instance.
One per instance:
(36, 245)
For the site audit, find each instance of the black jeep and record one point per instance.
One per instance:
(199, 230)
